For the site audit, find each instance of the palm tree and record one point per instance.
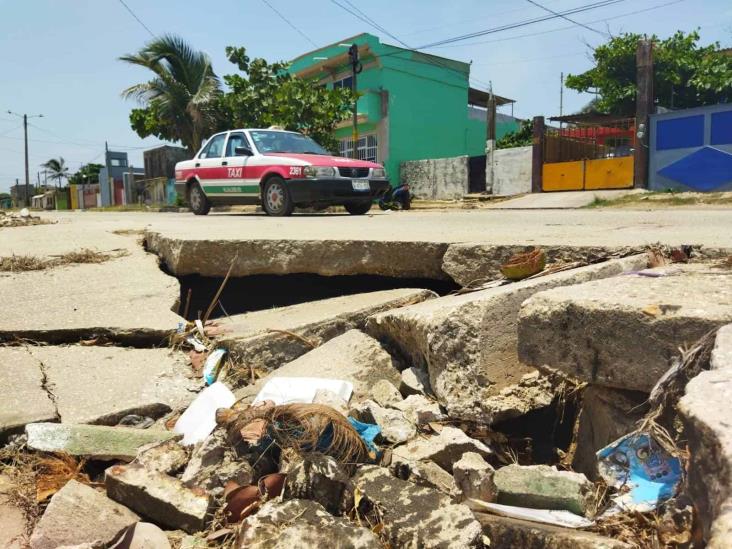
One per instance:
(57, 169)
(184, 89)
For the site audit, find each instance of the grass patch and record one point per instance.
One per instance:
(25, 263)
(667, 198)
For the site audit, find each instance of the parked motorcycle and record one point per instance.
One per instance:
(397, 198)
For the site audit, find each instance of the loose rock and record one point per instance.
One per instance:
(474, 477)
(93, 441)
(416, 516)
(544, 487)
(213, 463)
(395, 427)
(420, 410)
(425, 473)
(414, 381)
(384, 393)
(322, 479)
(144, 535)
(79, 514)
(445, 448)
(167, 457)
(164, 499)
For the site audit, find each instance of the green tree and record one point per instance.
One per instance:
(57, 169)
(685, 73)
(519, 138)
(180, 103)
(88, 173)
(266, 94)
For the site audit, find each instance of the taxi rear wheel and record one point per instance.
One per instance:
(198, 201)
(358, 208)
(276, 197)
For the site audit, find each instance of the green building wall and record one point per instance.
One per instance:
(427, 111)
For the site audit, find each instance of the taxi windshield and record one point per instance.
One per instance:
(285, 142)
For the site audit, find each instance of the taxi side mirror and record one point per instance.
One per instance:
(243, 151)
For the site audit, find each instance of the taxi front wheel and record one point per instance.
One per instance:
(277, 200)
(198, 201)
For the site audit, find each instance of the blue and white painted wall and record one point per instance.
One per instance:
(691, 150)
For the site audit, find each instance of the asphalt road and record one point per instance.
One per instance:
(597, 227)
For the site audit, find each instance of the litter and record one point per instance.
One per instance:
(199, 327)
(196, 344)
(523, 265)
(288, 390)
(368, 432)
(639, 466)
(242, 501)
(566, 519)
(137, 421)
(199, 420)
(212, 365)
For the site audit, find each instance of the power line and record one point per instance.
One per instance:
(604, 34)
(290, 23)
(132, 13)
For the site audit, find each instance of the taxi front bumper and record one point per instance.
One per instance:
(335, 191)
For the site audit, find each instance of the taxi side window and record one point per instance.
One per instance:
(214, 148)
(236, 140)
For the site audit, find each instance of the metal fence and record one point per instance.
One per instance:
(608, 139)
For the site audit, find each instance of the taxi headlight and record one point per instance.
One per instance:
(378, 173)
(318, 171)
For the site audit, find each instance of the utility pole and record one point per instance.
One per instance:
(25, 118)
(356, 68)
(561, 93)
(490, 139)
(643, 107)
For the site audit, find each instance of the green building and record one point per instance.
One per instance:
(412, 106)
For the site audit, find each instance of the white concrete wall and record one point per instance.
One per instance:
(436, 178)
(512, 171)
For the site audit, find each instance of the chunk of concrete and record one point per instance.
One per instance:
(704, 411)
(79, 514)
(419, 409)
(125, 299)
(26, 399)
(605, 416)
(301, 523)
(322, 479)
(544, 487)
(103, 384)
(162, 498)
(468, 263)
(12, 518)
(474, 477)
(213, 463)
(414, 381)
(624, 332)
(352, 356)
(395, 427)
(384, 393)
(144, 535)
(191, 254)
(425, 473)
(253, 341)
(445, 448)
(509, 532)
(416, 516)
(167, 457)
(92, 441)
(468, 342)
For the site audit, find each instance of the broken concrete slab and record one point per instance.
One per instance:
(258, 337)
(509, 532)
(425, 473)
(384, 393)
(103, 384)
(301, 523)
(704, 411)
(213, 463)
(544, 487)
(321, 479)
(26, 399)
(605, 416)
(162, 498)
(468, 342)
(92, 441)
(624, 332)
(395, 427)
(187, 255)
(127, 299)
(474, 477)
(79, 514)
(419, 409)
(414, 381)
(167, 457)
(468, 263)
(445, 448)
(416, 516)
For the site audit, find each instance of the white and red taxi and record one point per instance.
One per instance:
(280, 169)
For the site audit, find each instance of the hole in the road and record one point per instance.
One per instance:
(258, 292)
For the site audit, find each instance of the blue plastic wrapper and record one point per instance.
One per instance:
(644, 472)
(368, 432)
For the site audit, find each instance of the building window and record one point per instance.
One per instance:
(118, 162)
(367, 148)
(346, 82)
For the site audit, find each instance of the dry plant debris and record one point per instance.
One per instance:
(23, 263)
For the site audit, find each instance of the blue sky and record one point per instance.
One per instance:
(59, 57)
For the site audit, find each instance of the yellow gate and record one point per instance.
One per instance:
(580, 175)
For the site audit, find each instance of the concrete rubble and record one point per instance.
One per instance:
(544, 487)
(414, 381)
(92, 441)
(445, 448)
(395, 427)
(12, 519)
(385, 393)
(79, 514)
(468, 342)
(321, 479)
(474, 477)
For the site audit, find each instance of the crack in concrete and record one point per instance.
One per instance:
(45, 383)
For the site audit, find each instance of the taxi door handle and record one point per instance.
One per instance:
(224, 163)
(198, 164)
